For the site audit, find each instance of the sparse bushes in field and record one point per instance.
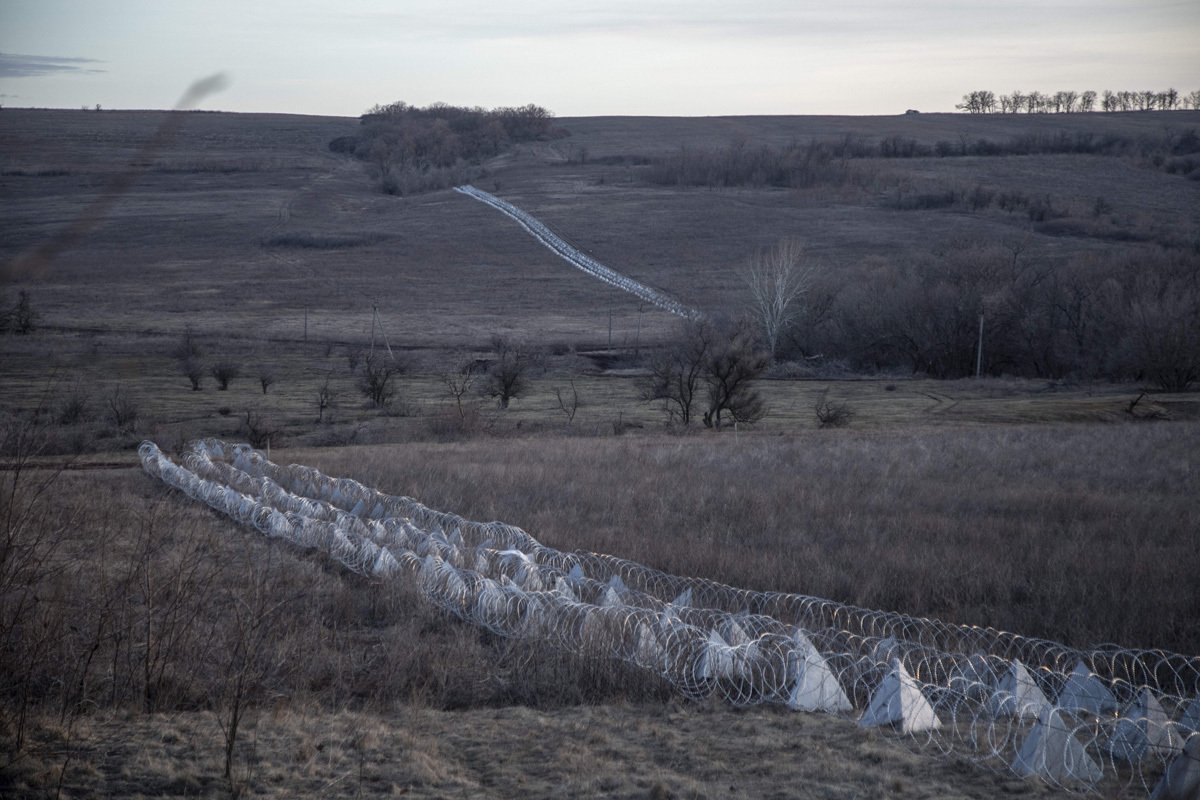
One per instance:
(832, 413)
(123, 410)
(73, 408)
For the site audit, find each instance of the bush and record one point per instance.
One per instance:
(832, 414)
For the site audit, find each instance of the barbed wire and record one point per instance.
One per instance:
(1077, 719)
(577, 258)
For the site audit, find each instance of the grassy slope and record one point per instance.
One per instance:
(186, 248)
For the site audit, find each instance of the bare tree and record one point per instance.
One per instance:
(778, 279)
(24, 318)
(677, 371)
(506, 380)
(460, 379)
(568, 401)
(257, 429)
(729, 373)
(326, 397)
(193, 367)
(224, 372)
(377, 381)
(1087, 101)
(122, 410)
(266, 377)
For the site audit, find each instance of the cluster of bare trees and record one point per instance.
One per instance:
(1069, 101)
(830, 162)
(418, 149)
(708, 371)
(1121, 317)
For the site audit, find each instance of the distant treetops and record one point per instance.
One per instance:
(1068, 102)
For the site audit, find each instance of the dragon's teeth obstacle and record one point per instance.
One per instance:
(1126, 717)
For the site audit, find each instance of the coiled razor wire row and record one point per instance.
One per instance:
(1116, 715)
(577, 258)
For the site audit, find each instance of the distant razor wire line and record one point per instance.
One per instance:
(578, 258)
(709, 640)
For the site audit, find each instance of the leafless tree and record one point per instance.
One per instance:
(194, 368)
(506, 380)
(257, 429)
(377, 380)
(459, 380)
(568, 400)
(266, 377)
(677, 371)
(778, 279)
(1087, 101)
(122, 410)
(326, 397)
(729, 373)
(224, 372)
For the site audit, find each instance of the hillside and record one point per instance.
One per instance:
(255, 208)
(1053, 497)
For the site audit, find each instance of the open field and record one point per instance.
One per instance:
(246, 220)
(1077, 532)
(1056, 507)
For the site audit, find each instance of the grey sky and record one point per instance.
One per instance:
(581, 57)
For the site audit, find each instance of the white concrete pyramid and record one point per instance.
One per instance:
(649, 652)
(563, 587)
(1181, 781)
(1144, 729)
(684, 599)
(1190, 719)
(1017, 694)
(610, 598)
(1052, 752)
(885, 650)
(1085, 692)
(718, 660)
(814, 686)
(735, 634)
(898, 701)
(576, 574)
(974, 677)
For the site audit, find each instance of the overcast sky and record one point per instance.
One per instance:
(589, 57)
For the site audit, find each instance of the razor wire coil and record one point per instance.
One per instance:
(1117, 715)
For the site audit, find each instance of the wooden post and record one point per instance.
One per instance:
(979, 349)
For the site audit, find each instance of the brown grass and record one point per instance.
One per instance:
(120, 668)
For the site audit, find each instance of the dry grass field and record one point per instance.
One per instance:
(1057, 508)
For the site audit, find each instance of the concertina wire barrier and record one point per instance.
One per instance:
(1075, 718)
(572, 255)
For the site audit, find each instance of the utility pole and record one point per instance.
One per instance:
(979, 349)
